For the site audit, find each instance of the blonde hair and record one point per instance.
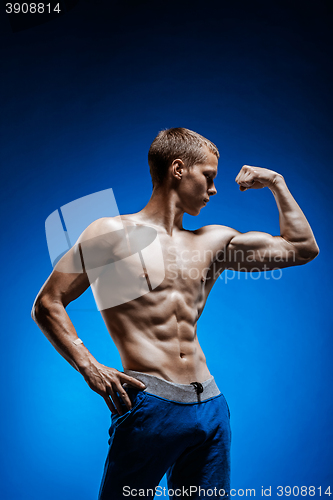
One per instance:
(175, 143)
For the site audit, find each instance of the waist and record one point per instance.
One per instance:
(183, 393)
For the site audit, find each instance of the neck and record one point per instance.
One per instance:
(163, 209)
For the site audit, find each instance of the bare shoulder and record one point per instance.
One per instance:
(215, 237)
(106, 225)
(217, 233)
(91, 245)
(100, 227)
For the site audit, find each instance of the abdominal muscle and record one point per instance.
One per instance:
(156, 334)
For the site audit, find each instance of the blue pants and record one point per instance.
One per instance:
(188, 441)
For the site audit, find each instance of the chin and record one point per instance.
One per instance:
(194, 212)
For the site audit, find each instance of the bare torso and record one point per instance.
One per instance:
(156, 333)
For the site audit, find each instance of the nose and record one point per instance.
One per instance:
(212, 190)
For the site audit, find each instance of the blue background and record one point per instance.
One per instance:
(83, 96)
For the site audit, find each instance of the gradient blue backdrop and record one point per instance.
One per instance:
(83, 97)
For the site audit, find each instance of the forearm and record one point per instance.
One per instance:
(53, 320)
(294, 226)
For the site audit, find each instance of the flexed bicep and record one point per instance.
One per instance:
(256, 251)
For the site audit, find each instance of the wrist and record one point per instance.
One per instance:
(84, 361)
(277, 182)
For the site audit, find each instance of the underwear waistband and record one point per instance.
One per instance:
(196, 392)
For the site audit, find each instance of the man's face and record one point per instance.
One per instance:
(197, 185)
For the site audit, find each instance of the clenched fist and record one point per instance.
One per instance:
(255, 177)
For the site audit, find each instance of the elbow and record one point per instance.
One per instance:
(39, 309)
(35, 311)
(309, 254)
(313, 251)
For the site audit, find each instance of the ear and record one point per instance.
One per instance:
(177, 169)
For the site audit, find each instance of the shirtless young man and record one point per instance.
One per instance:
(167, 413)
